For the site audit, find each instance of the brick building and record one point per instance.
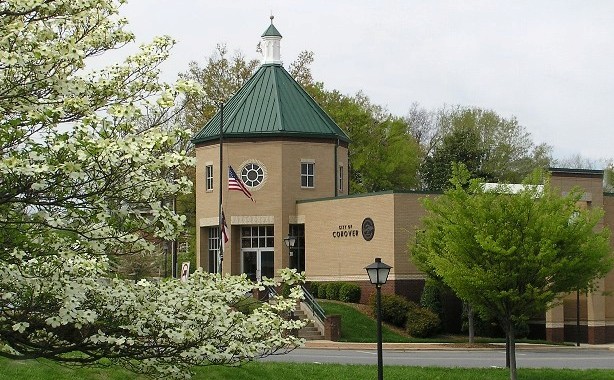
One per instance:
(294, 160)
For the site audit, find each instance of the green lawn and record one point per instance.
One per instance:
(44, 370)
(358, 327)
(47, 370)
(355, 327)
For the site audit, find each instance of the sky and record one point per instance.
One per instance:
(550, 64)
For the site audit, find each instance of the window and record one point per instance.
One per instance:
(340, 187)
(257, 237)
(214, 248)
(307, 174)
(209, 177)
(252, 174)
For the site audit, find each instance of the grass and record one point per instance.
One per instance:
(45, 370)
(48, 370)
(357, 326)
(261, 371)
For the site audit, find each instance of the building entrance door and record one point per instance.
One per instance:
(258, 263)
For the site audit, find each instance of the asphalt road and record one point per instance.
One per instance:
(526, 358)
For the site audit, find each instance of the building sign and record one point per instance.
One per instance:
(348, 230)
(368, 229)
(345, 230)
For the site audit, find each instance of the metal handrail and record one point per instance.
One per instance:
(309, 300)
(313, 305)
(272, 292)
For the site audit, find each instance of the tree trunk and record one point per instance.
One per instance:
(471, 323)
(507, 351)
(512, 351)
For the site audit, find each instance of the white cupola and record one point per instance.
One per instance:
(271, 39)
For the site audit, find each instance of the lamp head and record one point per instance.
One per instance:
(378, 272)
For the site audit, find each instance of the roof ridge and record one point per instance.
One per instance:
(278, 101)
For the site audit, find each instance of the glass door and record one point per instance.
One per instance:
(258, 263)
(258, 252)
(267, 264)
(250, 265)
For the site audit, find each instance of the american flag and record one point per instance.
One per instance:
(235, 183)
(224, 227)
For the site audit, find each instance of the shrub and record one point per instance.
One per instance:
(285, 290)
(322, 286)
(313, 289)
(332, 290)
(247, 305)
(421, 322)
(349, 292)
(431, 296)
(394, 308)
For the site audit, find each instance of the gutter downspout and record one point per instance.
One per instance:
(336, 169)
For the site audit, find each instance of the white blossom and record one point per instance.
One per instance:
(83, 153)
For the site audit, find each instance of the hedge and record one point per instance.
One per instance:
(338, 291)
(422, 322)
(394, 308)
(349, 292)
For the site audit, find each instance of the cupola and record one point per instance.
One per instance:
(271, 41)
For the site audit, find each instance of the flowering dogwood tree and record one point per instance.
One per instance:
(85, 162)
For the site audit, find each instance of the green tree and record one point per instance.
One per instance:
(460, 144)
(490, 146)
(511, 255)
(382, 155)
(300, 69)
(221, 77)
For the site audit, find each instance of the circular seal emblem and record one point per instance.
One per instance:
(368, 229)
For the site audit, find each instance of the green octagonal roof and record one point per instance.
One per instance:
(271, 31)
(271, 104)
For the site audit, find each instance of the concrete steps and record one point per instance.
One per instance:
(310, 331)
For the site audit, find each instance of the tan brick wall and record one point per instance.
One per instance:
(275, 198)
(608, 206)
(597, 309)
(329, 257)
(408, 211)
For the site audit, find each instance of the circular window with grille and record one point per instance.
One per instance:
(252, 174)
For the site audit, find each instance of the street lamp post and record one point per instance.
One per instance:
(378, 275)
(290, 241)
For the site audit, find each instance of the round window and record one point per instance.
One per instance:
(252, 174)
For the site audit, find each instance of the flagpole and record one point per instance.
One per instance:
(221, 174)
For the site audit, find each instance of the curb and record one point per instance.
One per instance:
(330, 345)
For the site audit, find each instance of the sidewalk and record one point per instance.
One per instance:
(330, 345)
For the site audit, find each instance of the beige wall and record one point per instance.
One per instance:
(597, 308)
(408, 211)
(281, 201)
(608, 206)
(275, 199)
(333, 258)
